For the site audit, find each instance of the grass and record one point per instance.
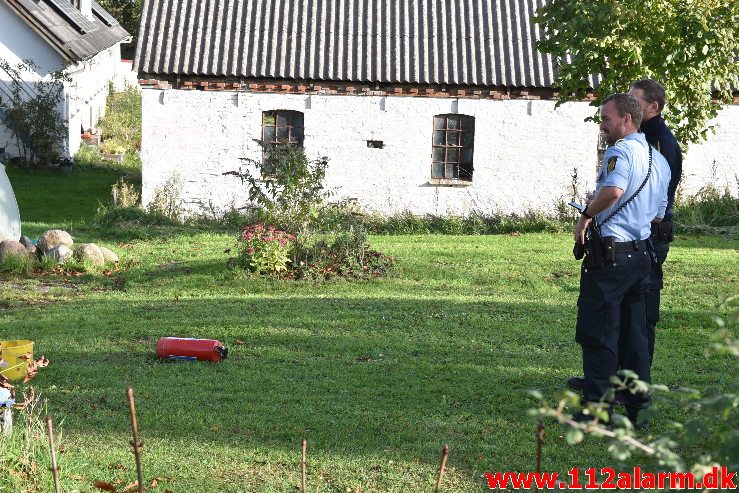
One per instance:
(376, 375)
(51, 199)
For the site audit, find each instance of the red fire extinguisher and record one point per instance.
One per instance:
(188, 349)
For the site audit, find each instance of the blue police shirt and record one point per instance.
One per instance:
(625, 166)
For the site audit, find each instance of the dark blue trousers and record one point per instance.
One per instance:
(607, 295)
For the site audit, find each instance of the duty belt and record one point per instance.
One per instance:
(631, 246)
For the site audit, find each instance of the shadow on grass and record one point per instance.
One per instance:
(356, 376)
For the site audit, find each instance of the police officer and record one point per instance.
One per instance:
(651, 97)
(631, 191)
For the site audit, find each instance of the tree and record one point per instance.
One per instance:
(30, 111)
(690, 46)
(128, 13)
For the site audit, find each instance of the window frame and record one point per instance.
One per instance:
(289, 127)
(461, 164)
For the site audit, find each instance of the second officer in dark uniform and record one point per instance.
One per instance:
(651, 97)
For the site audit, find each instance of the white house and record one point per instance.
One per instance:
(422, 105)
(79, 36)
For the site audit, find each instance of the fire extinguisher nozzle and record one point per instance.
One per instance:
(223, 351)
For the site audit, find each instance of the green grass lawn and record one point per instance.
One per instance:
(376, 375)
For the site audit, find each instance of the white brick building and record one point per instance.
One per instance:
(83, 39)
(379, 88)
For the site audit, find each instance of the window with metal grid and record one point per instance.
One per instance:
(453, 146)
(281, 127)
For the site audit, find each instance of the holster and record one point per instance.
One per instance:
(663, 232)
(595, 257)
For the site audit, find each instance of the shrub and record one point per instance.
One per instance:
(288, 186)
(89, 156)
(121, 126)
(264, 250)
(406, 223)
(33, 118)
(167, 200)
(125, 194)
(710, 210)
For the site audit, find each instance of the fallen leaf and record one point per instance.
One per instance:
(130, 487)
(515, 233)
(155, 481)
(102, 485)
(215, 429)
(239, 342)
(118, 466)
(33, 368)
(5, 383)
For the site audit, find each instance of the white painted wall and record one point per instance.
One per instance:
(715, 161)
(85, 94)
(525, 151)
(88, 90)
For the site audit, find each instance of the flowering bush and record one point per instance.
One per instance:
(264, 250)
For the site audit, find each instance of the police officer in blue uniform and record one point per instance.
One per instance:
(631, 192)
(651, 97)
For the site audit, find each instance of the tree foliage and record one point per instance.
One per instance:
(707, 436)
(31, 112)
(128, 13)
(690, 46)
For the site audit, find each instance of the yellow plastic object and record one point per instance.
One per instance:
(12, 366)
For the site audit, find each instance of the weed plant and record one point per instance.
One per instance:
(710, 211)
(121, 125)
(24, 461)
(17, 264)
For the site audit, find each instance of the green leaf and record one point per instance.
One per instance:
(574, 436)
(536, 394)
(619, 450)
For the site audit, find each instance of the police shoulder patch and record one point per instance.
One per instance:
(612, 163)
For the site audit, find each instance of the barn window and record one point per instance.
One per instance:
(281, 127)
(453, 145)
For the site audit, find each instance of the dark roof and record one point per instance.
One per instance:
(456, 42)
(67, 30)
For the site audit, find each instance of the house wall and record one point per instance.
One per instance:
(18, 42)
(525, 150)
(88, 90)
(85, 93)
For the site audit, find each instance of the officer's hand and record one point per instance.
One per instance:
(580, 229)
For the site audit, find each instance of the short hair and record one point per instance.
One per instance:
(653, 91)
(626, 103)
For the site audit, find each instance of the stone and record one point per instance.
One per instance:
(109, 256)
(10, 248)
(61, 253)
(52, 239)
(89, 252)
(30, 247)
